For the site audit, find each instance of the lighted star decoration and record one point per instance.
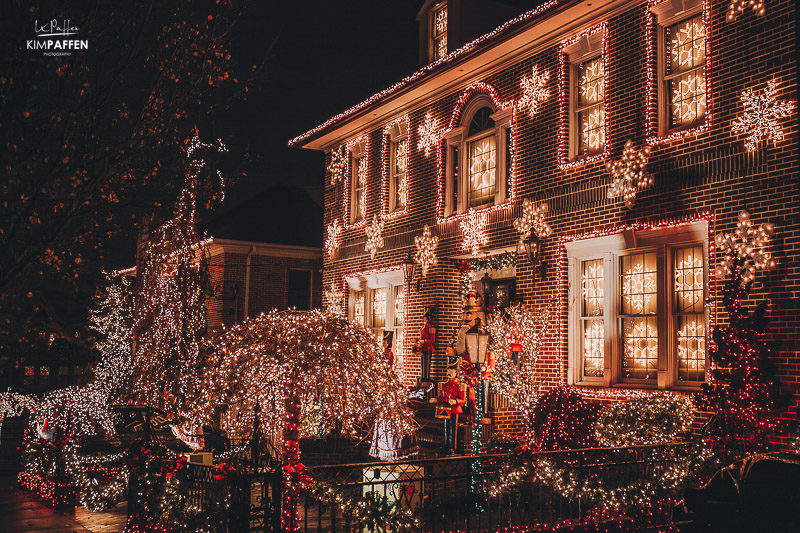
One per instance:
(374, 237)
(337, 165)
(533, 219)
(426, 245)
(761, 114)
(428, 134)
(333, 299)
(332, 240)
(629, 174)
(474, 229)
(744, 249)
(534, 90)
(737, 7)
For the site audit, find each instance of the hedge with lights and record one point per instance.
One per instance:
(652, 419)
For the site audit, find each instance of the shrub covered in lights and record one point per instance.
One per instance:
(563, 420)
(650, 419)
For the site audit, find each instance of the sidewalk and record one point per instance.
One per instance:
(19, 513)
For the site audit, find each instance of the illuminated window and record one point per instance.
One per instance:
(478, 157)
(586, 90)
(439, 32)
(637, 312)
(681, 42)
(398, 183)
(359, 177)
(381, 308)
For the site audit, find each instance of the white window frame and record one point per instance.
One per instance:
(358, 154)
(456, 139)
(666, 14)
(610, 248)
(397, 132)
(585, 48)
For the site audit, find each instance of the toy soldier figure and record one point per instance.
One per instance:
(388, 336)
(448, 402)
(426, 344)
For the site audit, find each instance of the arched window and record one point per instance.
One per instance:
(478, 157)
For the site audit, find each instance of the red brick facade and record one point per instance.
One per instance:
(704, 173)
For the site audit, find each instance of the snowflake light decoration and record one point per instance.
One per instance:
(333, 299)
(738, 7)
(533, 219)
(629, 175)
(473, 227)
(374, 237)
(744, 246)
(337, 165)
(534, 90)
(426, 245)
(428, 134)
(761, 114)
(332, 240)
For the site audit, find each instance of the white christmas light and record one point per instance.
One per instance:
(473, 227)
(332, 240)
(745, 246)
(428, 134)
(629, 175)
(534, 90)
(761, 114)
(426, 245)
(333, 299)
(374, 237)
(737, 7)
(533, 219)
(337, 165)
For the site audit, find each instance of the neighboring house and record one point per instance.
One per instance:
(462, 139)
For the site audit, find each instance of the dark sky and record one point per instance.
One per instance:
(325, 57)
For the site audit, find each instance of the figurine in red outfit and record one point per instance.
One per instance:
(388, 336)
(452, 395)
(426, 344)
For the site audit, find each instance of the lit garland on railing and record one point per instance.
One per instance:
(653, 81)
(656, 418)
(418, 74)
(564, 92)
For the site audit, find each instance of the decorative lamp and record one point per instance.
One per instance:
(409, 269)
(533, 250)
(486, 283)
(477, 343)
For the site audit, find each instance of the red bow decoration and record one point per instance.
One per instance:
(222, 471)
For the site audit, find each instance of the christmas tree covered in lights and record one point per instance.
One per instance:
(741, 393)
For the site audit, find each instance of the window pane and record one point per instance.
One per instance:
(439, 33)
(379, 308)
(687, 45)
(482, 169)
(359, 198)
(639, 284)
(685, 65)
(691, 348)
(592, 287)
(640, 360)
(399, 305)
(593, 131)
(593, 348)
(689, 280)
(591, 82)
(591, 107)
(688, 98)
(358, 308)
(399, 161)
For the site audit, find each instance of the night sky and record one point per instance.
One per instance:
(323, 58)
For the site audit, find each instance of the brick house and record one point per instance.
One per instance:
(461, 138)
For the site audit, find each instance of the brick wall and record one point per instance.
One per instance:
(709, 171)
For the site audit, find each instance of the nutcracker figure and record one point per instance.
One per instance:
(388, 336)
(449, 401)
(426, 344)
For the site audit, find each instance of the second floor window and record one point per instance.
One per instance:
(685, 71)
(439, 32)
(359, 180)
(398, 183)
(590, 112)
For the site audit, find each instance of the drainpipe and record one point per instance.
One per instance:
(247, 282)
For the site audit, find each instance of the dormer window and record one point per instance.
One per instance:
(439, 31)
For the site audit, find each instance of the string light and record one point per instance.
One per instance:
(534, 90)
(629, 174)
(492, 262)
(533, 219)
(333, 232)
(374, 237)
(761, 114)
(429, 134)
(737, 7)
(744, 250)
(78, 411)
(650, 419)
(473, 227)
(333, 299)
(337, 165)
(112, 318)
(424, 70)
(425, 255)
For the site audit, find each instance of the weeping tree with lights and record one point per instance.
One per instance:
(517, 338)
(112, 319)
(170, 317)
(274, 362)
(741, 394)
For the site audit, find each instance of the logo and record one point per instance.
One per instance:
(56, 38)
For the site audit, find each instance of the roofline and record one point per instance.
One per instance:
(452, 56)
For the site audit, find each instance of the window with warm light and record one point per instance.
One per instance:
(398, 182)
(381, 309)
(584, 132)
(681, 63)
(637, 311)
(439, 32)
(358, 207)
(478, 158)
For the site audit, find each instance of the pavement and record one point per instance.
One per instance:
(20, 513)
